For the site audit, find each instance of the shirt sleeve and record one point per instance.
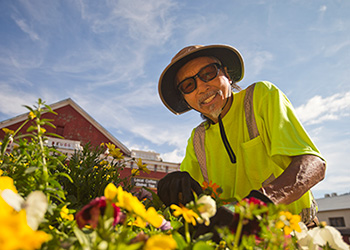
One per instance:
(190, 163)
(278, 124)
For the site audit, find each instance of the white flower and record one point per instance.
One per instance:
(207, 209)
(319, 237)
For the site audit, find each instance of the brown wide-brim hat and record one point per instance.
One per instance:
(167, 87)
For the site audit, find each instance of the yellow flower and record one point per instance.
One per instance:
(142, 167)
(6, 183)
(160, 242)
(130, 203)
(103, 162)
(153, 217)
(31, 115)
(189, 215)
(288, 222)
(16, 234)
(114, 152)
(1, 172)
(65, 214)
(8, 131)
(110, 191)
(42, 130)
(135, 171)
(139, 222)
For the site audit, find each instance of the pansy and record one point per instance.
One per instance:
(206, 208)
(90, 213)
(160, 242)
(189, 215)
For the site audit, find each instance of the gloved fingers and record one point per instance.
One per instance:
(223, 217)
(196, 187)
(178, 187)
(260, 196)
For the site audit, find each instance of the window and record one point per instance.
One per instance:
(337, 222)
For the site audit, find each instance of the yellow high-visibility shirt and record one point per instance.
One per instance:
(260, 160)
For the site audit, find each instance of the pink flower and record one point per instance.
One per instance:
(91, 212)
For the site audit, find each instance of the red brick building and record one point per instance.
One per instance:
(78, 128)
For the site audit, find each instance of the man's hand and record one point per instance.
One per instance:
(223, 218)
(178, 187)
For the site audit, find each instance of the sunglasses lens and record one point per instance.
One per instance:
(187, 86)
(208, 73)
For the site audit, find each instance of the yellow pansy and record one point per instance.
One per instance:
(139, 222)
(110, 191)
(16, 234)
(153, 217)
(133, 205)
(189, 215)
(160, 242)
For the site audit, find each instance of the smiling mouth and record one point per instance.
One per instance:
(208, 97)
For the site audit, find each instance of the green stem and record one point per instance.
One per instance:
(238, 232)
(187, 233)
(41, 143)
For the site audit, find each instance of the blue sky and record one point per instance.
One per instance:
(108, 55)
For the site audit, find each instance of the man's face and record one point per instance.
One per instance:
(209, 97)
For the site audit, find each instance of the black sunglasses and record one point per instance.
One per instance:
(206, 74)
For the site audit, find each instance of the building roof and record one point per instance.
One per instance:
(334, 202)
(63, 103)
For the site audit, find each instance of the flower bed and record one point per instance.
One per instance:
(50, 202)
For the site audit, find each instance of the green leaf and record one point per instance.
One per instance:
(64, 175)
(180, 241)
(31, 128)
(83, 239)
(55, 135)
(201, 245)
(30, 170)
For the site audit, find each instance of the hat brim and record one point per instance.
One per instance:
(168, 92)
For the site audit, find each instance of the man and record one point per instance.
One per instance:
(256, 147)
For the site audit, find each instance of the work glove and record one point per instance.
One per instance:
(260, 196)
(225, 217)
(178, 187)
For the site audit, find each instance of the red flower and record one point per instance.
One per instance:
(250, 226)
(90, 213)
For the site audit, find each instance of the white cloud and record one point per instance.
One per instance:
(319, 109)
(323, 8)
(258, 60)
(174, 156)
(25, 28)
